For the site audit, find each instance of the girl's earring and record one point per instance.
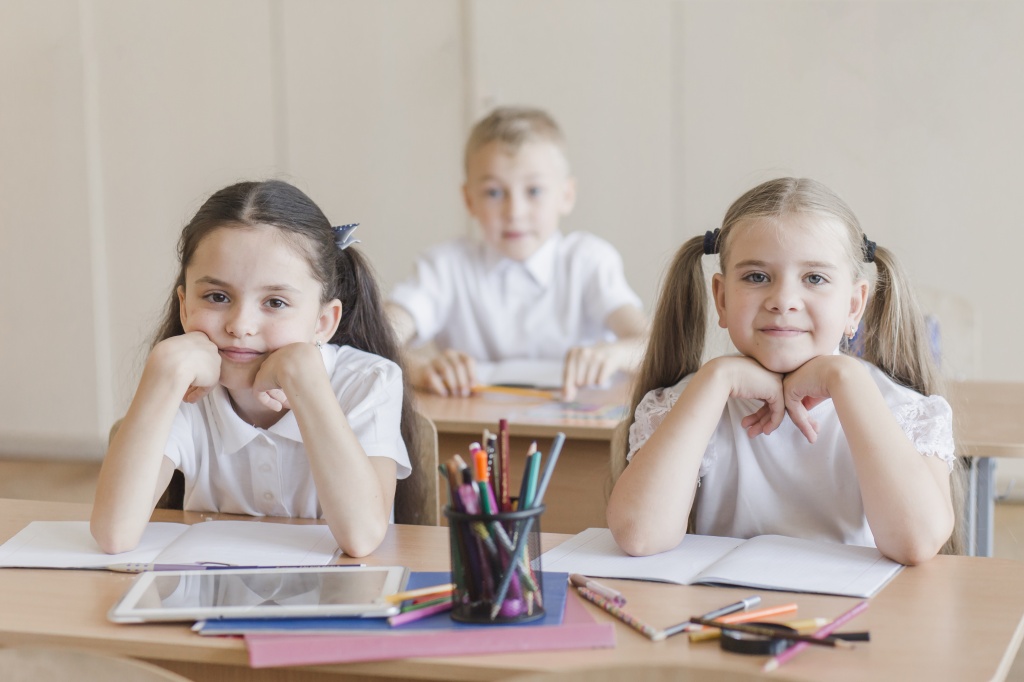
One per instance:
(319, 344)
(851, 332)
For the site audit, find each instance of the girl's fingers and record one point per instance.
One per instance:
(798, 413)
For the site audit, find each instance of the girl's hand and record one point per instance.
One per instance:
(294, 361)
(195, 356)
(749, 379)
(806, 387)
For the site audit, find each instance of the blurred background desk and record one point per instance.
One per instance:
(988, 422)
(578, 491)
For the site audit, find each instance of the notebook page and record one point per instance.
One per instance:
(798, 565)
(543, 374)
(69, 544)
(252, 543)
(594, 553)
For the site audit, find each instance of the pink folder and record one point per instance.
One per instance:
(577, 631)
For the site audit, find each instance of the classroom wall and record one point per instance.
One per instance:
(118, 117)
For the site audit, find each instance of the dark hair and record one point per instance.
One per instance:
(344, 274)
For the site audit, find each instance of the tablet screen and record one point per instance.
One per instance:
(261, 593)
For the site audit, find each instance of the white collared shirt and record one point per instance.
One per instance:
(466, 296)
(231, 466)
(781, 484)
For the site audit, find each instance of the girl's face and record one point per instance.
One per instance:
(787, 293)
(251, 292)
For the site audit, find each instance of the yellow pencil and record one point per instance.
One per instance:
(423, 591)
(515, 390)
(803, 626)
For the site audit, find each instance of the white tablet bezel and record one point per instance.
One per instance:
(127, 611)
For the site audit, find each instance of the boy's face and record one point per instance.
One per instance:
(518, 196)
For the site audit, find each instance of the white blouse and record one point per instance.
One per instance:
(780, 483)
(234, 467)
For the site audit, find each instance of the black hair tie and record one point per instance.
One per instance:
(711, 242)
(343, 235)
(869, 250)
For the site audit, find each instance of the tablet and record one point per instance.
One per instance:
(350, 591)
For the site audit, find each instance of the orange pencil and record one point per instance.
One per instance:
(743, 617)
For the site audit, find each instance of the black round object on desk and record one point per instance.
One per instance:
(756, 645)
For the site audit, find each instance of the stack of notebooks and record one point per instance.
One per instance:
(321, 641)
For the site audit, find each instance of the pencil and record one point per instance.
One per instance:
(419, 614)
(514, 390)
(638, 625)
(804, 626)
(423, 591)
(774, 634)
(743, 617)
(825, 631)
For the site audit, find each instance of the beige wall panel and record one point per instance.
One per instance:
(374, 118)
(186, 106)
(907, 109)
(47, 337)
(603, 70)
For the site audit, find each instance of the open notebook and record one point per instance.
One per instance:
(542, 374)
(770, 562)
(69, 544)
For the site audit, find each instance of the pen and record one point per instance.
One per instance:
(825, 631)
(139, 567)
(742, 605)
(608, 593)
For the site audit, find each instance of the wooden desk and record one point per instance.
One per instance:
(954, 618)
(578, 492)
(988, 422)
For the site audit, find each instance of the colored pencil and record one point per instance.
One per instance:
(513, 390)
(606, 604)
(804, 626)
(772, 633)
(775, 662)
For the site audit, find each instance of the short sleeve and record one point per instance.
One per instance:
(928, 423)
(373, 407)
(607, 289)
(427, 294)
(181, 444)
(651, 412)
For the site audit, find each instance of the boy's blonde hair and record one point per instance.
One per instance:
(514, 127)
(893, 327)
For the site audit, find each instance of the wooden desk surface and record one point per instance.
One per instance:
(954, 618)
(472, 415)
(989, 417)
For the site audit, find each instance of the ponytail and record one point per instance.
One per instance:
(676, 344)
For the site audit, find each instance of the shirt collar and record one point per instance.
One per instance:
(231, 433)
(540, 266)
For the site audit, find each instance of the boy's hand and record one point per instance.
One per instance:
(193, 354)
(450, 373)
(589, 366)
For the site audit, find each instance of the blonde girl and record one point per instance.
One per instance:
(273, 383)
(793, 436)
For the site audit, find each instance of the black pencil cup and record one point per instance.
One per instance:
(496, 566)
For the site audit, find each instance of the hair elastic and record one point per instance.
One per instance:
(343, 235)
(869, 250)
(757, 645)
(711, 242)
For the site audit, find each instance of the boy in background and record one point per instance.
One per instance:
(525, 290)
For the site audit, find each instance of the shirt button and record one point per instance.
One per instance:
(268, 496)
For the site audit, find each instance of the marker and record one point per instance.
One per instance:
(608, 593)
(143, 567)
(742, 605)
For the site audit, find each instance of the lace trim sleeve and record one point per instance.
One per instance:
(651, 412)
(928, 423)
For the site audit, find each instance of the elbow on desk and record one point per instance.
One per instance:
(111, 539)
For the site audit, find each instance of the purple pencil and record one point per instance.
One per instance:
(410, 616)
(825, 631)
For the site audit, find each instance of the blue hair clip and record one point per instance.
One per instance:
(343, 235)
